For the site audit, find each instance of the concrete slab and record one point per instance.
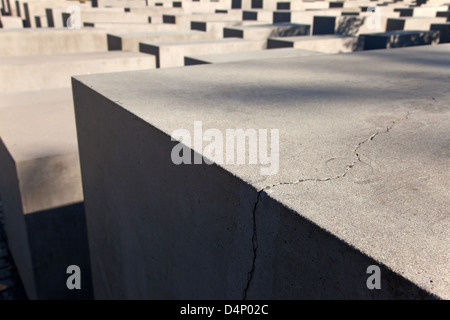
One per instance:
(11, 22)
(133, 27)
(215, 28)
(28, 73)
(298, 5)
(258, 15)
(444, 31)
(130, 41)
(41, 193)
(171, 54)
(363, 179)
(51, 41)
(413, 23)
(324, 43)
(303, 17)
(246, 56)
(261, 32)
(398, 39)
(421, 11)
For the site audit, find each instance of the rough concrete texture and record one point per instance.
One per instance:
(248, 55)
(398, 39)
(324, 43)
(262, 32)
(51, 41)
(41, 193)
(130, 41)
(11, 22)
(54, 71)
(172, 53)
(363, 179)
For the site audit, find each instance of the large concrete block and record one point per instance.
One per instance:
(398, 39)
(41, 192)
(215, 28)
(303, 17)
(116, 27)
(324, 43)
(298, 5)
(444, 31)
(51, 41)
(11, 22)
(362, 179)
(130, 41)
(246, 56)
(29, 73)
(261, 32)
(413, 23)
(171, 54)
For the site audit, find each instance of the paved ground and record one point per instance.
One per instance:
(10, 285)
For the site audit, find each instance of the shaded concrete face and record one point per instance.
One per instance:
(203, 263)
(399, 39)
(321, 203)
(324, 43)
(42, 194)
(171, 54)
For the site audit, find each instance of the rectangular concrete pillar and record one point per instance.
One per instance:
(356, 187)
(40, 187)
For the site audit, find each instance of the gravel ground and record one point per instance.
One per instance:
(10, 285)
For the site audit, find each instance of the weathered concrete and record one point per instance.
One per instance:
(116, 27)
(130, 41)
(54, 71)
(171, 54)
(51, 41)
(363, 179)
(246, 56)
(324, 44)
(262, 32)
(215, 28)
(398, 39)
(414, 23)
(41, 193)
(444, 31)
(11, 23)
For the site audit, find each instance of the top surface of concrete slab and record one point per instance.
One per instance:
(253, 55)
(69, 57)
(198, 42)
(38, 124)
(363, 141)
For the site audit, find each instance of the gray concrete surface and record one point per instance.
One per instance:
(363, 179)
(398, 39)
(41, 191)
(171, 54)
(247, 55)
(263, 32)
(323, 43)
(130, 41)
(51, 41)
(54, 71)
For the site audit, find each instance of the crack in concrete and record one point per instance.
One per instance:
(351, 165)
(255, 247)
(347, 169)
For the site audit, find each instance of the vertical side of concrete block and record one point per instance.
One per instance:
(15, 225)
(296, 259)
(163, 231)
(50, 20)
(114, 42)
(59, 239)
(324, 25)
(151, 49)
